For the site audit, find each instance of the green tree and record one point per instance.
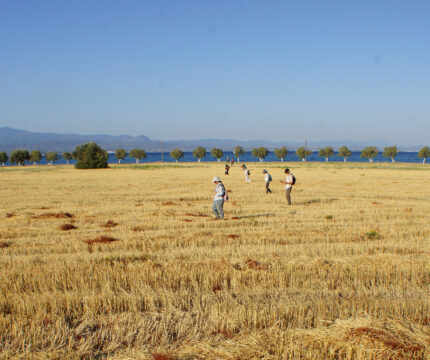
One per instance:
(51, 156)
(326, 152)
(424, 153)
(176, 154)
(303, 153)
(35, 156)
(4, 157)
(199, 153)
(217, 153)
(238, 151)
(369, 152)
(19, 157)
(120, 154)
(344, 152)
(90, 156)
(281, 153)
(390, 152)
(138, 154)
(260, 152)
(67, 156)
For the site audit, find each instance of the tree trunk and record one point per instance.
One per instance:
(282, 159)
(67, 162)
(371, 160)
(392, 159)
(49, 163)
(198, 160)
(344, 159)
(326, 159)
(176, 160)
(137, 161)
(34, 163)
(119, 161)
(303, 159)
(261, 159)
(238, 159)
(219, 159)
(424, 161)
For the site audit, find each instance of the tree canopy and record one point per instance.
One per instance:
(90, 156)
(326, 152)
(199, 152)
(51, 156)
(238, 151)
(217, 153)
(303, 153)
(260, 152)
(281, 153)
(19, 157)
(424, 153)
(390, 152)
(177, 154)
(67, 156)
(138, 154)
(35, 156)
(369, 152)
(344, 152)
(3, 157)
(120, 154)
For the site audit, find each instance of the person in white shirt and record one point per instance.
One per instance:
(288, 185)
(247, 173)
(218, 204)
(267, 180)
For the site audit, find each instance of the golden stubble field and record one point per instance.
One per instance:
(127, 263)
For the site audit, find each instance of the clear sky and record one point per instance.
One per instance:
(273, 70)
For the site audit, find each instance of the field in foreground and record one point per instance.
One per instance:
(127, 262)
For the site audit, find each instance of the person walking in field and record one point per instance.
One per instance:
(267, 180)
(218, 204)
(227, 168)
(289, 182)
(247, 173)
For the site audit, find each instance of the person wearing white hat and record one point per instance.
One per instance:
(218, 204)
(267, 180)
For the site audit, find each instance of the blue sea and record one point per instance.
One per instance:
(405, 157)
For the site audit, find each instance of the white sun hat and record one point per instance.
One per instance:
(216, 179)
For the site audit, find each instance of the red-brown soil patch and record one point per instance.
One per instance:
(68, 227)
(9, 215)
(235, 218)
(187, 220)
(196, 215)
(255, 265)
(138, 228)
(101, 240)
(216, 288)
(233, 236)
(60, 215)
(4, 244)
(168, 203)
(110, 224)
(387, 339)
(162, 357)
(44, 208)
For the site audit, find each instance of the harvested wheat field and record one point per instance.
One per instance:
(128, 263)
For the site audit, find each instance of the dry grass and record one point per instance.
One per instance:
(148, 274)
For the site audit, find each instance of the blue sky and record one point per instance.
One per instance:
(274, 70)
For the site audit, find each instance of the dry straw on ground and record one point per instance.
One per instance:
(146, 273)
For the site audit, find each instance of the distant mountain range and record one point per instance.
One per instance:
(11, 139)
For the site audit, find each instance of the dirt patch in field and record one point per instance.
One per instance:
(68, 227)
(110, 224)
(44, 208)
(196, 215)
(235, 218)
(216, 288)
(255, 265)
(138, 228)
(100, 240)
(9, 215)
(60, 215)
(187, 220)
(233, 236)
(158, 356)
(167, 203)
(4, 244)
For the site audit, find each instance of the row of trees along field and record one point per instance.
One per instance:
(92, 153)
